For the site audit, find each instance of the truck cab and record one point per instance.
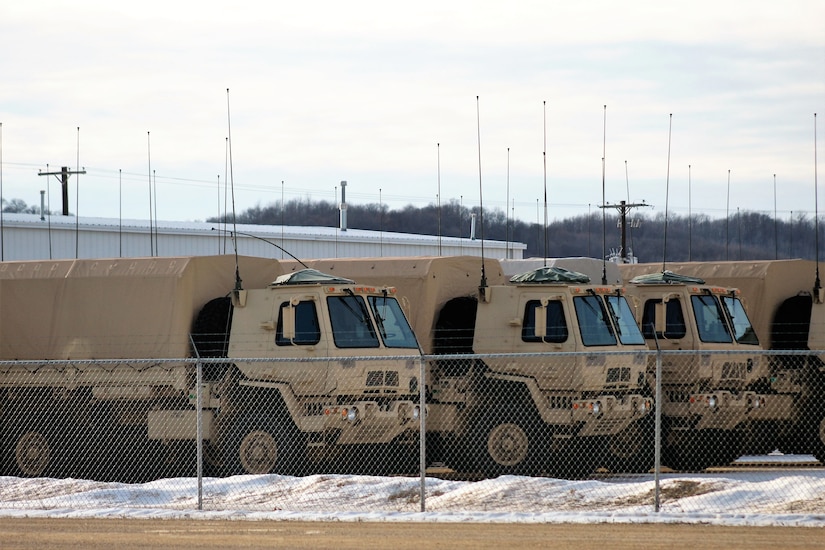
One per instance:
(711, 399)
(319, 364)
(543, 398)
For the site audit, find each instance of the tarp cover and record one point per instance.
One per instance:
(310, 276)
(550, 275)
(666, 277)
(592, 267)
(117, 308)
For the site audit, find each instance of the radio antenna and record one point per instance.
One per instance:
(77, 202)
(817, 286)
(149, 158)
(544, 161)
(604, 219)
(483, 284)
(2, 237)
(238, 285)
(667, 191)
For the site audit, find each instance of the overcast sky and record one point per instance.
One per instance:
(383, 95)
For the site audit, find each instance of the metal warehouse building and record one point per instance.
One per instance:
(32, 237)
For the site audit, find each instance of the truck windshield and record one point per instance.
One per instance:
(392, 324)
(351, 324)
(593, 325)
(710, 320)
(742, 328)
(623, 320)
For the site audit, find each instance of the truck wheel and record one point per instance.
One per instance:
(257, 447)
(507, 443)
(34, 452)
(697, 450)
(632, 449)
(258, 452)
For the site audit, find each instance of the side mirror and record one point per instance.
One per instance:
(238, 298)
(540, 329)
(289, 322)
(660, 312)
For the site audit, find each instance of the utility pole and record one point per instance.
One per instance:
(623, 208)
(64, 182)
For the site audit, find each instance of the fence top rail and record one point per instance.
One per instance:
(160, 361)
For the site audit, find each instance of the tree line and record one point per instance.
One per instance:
(740, 236)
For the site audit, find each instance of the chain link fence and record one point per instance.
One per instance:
(632, 431)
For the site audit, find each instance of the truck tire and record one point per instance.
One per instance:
(697, 450)
(506, 442)
(258, 445)
(632, 450)
(34, 450)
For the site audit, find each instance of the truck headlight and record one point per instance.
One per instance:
(712, 401)
(596, 407)
(350, 414)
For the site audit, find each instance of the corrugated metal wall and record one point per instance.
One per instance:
(27, 237)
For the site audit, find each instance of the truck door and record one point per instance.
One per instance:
(675, 334)
(300, 333)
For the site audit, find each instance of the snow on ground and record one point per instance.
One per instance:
(788, 497)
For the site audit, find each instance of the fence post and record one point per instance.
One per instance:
(198, 421)
(199, 417)
(422, 433)
(657, 436)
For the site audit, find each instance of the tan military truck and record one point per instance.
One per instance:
(788, 313)
(297, 368)
(541, 399)
(716, 397)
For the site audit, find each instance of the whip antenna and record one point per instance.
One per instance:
(817, 287)
(604, 204)
(149, 159)
(232, 184)
(667, 191)
(544, 160)
(483, 284)
(2, 238)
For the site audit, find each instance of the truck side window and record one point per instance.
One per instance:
(593, 324)
(710, 320)
(307, 330)
(392, 324)
(623, 320)
(351, 323)
(556, 323)
(739, 319)
(674, 319)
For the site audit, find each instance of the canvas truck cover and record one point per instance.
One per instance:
(764, 284)
(592, 267)
(424, 283)
(545, 275)
(121, 308)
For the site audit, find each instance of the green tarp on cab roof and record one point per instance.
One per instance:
(550, 275)
(666, 277)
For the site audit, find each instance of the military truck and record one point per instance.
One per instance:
(99, 368)
(785, 302)
(564, 409)
(714, 400)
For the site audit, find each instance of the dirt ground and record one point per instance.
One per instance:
(205, 534)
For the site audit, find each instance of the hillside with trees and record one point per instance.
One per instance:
(741, 236)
